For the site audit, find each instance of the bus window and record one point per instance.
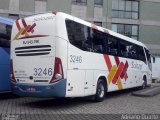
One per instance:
(141, 55)
(112, 45)
(133, 51)
(85, 38)
(148, 58)
(124, 48)
(79, 35)
(99, 41)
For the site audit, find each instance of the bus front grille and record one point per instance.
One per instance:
(33, 50)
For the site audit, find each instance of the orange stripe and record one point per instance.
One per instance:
(18, 34)
(112, 73)
(119, 83)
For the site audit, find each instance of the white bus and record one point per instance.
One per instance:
(59, 55)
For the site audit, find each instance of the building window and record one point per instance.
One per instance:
(127, 30)
(98, 23)
(98, 2)
(125, 9)
(79, 2)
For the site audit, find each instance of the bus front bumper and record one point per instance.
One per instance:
(57, 89)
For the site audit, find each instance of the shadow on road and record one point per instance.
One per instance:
(73, 102)
(8, 95)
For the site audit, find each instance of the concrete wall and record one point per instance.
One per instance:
(90, 8)
(150, 11)
(27, 5)
(149, 34)
(4, 4)
(59, 5)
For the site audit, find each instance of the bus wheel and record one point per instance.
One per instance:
(144, 84)
(101, 91)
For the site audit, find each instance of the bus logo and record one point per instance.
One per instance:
(116, 72)
(25, 30)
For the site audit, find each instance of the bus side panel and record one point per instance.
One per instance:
(75, 83)
(88, 83)
(75, 75)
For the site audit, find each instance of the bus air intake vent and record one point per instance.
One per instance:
(33, 50)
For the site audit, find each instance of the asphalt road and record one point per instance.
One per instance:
(122, 102)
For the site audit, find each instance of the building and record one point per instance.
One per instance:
(139, 19)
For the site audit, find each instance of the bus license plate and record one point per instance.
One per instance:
(31, 89)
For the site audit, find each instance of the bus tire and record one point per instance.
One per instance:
(100, 91)
(144, 84)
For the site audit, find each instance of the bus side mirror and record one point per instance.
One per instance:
(154, 59)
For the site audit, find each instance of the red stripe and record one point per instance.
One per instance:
(54, 12)
(106, 31)
(108, 62)
(17, 24)
(26, 29)
(125, 76)
(124, 70)
(24, 23)
(94, 26)
(117, 60)
(31, 28)
(118, 72)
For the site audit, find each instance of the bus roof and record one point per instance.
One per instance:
(66, 16)
(6, 21)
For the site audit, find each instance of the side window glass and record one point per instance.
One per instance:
(86, 38)
(79, 35)
(141, 55)
(124, 49)
(99, 41)
(133, 51)
(148, 58)
(87, 42)
(127, 49)
(112, 45)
